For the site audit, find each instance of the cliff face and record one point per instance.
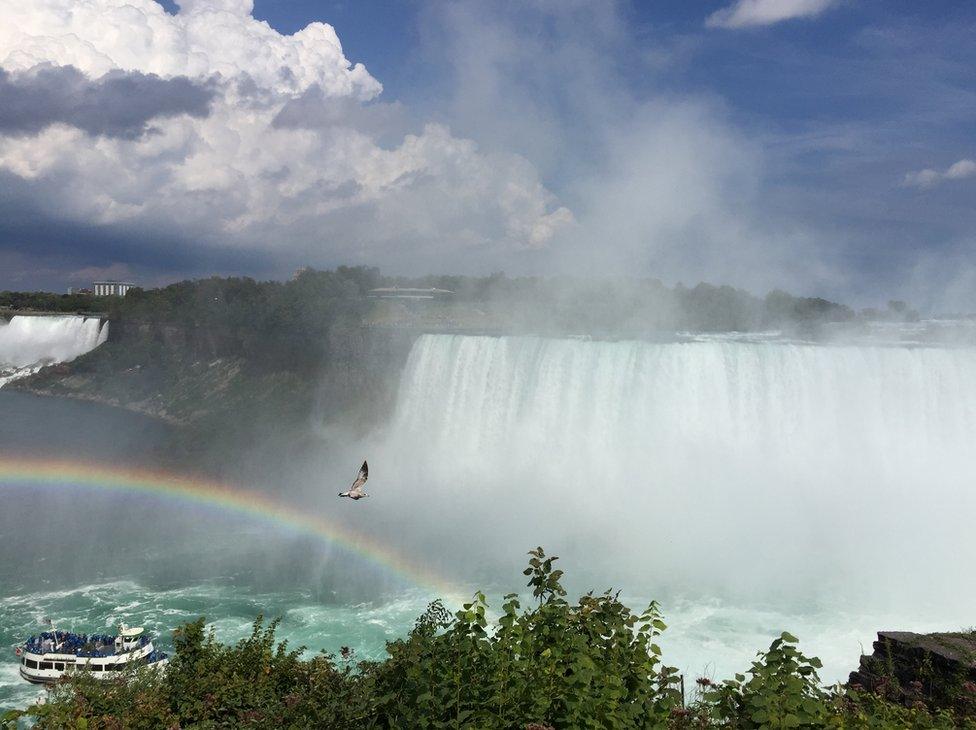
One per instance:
(179, 394)
(228, 385)
(938, 670)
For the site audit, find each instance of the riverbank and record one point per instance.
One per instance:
(168, 388)
(215, 410)
(23, 385)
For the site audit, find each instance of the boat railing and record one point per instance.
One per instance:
(64, 642)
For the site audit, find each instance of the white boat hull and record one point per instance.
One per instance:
(49, 668)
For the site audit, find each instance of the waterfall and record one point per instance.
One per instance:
(763, 469)
(29, 342)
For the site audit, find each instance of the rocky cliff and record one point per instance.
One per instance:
(937, 670)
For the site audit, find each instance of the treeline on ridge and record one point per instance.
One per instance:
(311, 319)
(42, 301)
(232, 355)
(299, 323)
(308, 304)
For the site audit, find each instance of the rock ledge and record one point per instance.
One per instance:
(938, 670)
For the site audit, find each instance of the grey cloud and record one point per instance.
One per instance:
(386, 122)
(119, 104)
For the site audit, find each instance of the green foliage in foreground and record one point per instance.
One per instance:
(592, 664)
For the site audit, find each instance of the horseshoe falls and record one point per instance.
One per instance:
(28, 342)
(809, 487)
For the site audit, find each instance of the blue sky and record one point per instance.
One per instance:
(825, 146)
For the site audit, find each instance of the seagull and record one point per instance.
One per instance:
(356, 490)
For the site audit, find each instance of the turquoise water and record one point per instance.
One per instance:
(704, 637)
(231, 609)
(89, 561)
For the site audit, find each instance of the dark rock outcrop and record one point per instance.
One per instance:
(938, 670)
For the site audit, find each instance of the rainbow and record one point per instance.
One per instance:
(250, 504)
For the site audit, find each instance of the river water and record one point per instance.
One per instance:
(89, 560)
(750, 487)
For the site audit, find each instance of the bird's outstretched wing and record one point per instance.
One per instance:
(360, 478)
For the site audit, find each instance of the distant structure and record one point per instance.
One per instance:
(111, 288)
(396, 292)
(75, 290)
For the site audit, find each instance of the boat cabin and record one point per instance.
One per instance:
(46, 658)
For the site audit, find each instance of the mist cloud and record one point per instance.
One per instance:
(119, 104)
(659, 183)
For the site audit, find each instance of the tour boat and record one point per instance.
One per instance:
(44, 659)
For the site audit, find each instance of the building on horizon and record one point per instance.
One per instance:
(396, 292)
(111, 288)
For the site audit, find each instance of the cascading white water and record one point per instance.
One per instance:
(28, 342)
(778, 472)
(753, 487)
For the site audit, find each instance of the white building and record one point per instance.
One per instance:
(396, 292)
(111, 288)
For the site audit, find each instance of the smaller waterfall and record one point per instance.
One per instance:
(29, 342)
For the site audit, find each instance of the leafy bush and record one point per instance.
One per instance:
(589, 664)
(783, 690)
(592, 664)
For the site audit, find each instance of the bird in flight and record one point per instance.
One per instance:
(356, 490)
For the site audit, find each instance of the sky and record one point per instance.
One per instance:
(827, 147)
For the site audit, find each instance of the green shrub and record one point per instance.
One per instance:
(782, 691)
(592, 664)
(553, 664)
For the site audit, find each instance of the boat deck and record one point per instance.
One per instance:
(80, 645)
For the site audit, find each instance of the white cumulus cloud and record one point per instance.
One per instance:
(206, 37)
(961, 169)
(928, 177)
(751, 13)
(237, 177)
